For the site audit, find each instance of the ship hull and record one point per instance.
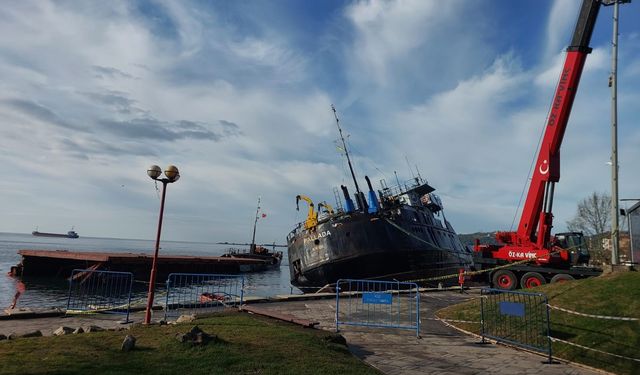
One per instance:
(384, 246)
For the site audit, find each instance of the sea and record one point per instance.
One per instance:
(49, 292)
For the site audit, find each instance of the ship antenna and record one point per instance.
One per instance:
(252, 247)
(406, 158)
(346, 152)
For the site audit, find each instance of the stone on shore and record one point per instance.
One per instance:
(62, 331)
(93, 328)
(32, 334)
(186, 319)
(128, 344)
(3, 337)
(78, 330)
(196, 336)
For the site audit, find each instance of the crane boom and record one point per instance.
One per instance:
(312, 216)
(533, 236)
(536, 214)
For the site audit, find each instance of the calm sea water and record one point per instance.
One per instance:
(53, 292)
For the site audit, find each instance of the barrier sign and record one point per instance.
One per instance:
(512, 308)
(377, 298)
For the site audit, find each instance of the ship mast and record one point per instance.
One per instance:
(346, 152)
(252, 247)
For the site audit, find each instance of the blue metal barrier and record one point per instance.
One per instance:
(373, 303)
(193, 292)
(99, 291)
(516, 318)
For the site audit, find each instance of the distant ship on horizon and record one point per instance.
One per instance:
(70, 234)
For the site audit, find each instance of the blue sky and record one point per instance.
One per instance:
(238, 95)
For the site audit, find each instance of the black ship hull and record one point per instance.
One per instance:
(386, 246)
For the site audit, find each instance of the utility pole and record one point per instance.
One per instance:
(613, 83)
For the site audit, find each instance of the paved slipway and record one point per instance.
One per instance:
(441, 350)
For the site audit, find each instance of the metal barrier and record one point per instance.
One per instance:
(373, 303)
(191, 292)
(516, 318)
(92, 291)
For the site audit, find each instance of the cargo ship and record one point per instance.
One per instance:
(398, 233)
(69, 234)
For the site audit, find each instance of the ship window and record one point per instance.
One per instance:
(316, 241)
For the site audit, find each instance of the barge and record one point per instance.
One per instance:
(60, 263)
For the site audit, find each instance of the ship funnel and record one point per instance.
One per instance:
(362, 206)
(348, 201)
(373, 200)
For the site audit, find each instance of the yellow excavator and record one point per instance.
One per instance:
(327, 208)
(312, 216)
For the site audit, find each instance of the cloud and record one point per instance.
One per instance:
(39, 112)
(108, 72)
(152, 129)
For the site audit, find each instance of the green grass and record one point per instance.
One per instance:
(249, 345)
(614, 295)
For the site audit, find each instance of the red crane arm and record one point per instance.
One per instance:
(536, 221)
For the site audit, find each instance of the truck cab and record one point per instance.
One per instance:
(574, 243)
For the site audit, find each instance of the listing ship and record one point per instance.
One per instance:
(69, 234)
(398, 233)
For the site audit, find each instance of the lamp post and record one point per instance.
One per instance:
(172, 175)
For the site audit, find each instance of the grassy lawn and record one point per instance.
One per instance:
(250, 345)
(614, 295)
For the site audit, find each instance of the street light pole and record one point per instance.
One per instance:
(172, 176)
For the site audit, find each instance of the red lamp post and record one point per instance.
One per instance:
(172, 175)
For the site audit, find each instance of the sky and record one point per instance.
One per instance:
(238, 94)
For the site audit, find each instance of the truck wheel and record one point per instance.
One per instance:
(531, 280)
(561, 278)
(504, 279)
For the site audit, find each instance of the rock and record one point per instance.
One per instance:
(78, 330)
(336, 339)
(163, 322)
(182, 337)
(93, 328)
(186, 319)
(12, 336)
(196, 336)
(62, 331)
(32, 334)
(3, 337)
(129, 343)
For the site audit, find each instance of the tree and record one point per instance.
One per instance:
(593, 215)
(593, 219)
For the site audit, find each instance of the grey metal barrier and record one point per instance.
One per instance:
(516, 318)
(193, 292)
(92, 291)
(374, 303)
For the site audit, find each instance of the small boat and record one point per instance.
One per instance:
(69, 234)
(261, 252)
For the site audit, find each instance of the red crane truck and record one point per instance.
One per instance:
(551, 258)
